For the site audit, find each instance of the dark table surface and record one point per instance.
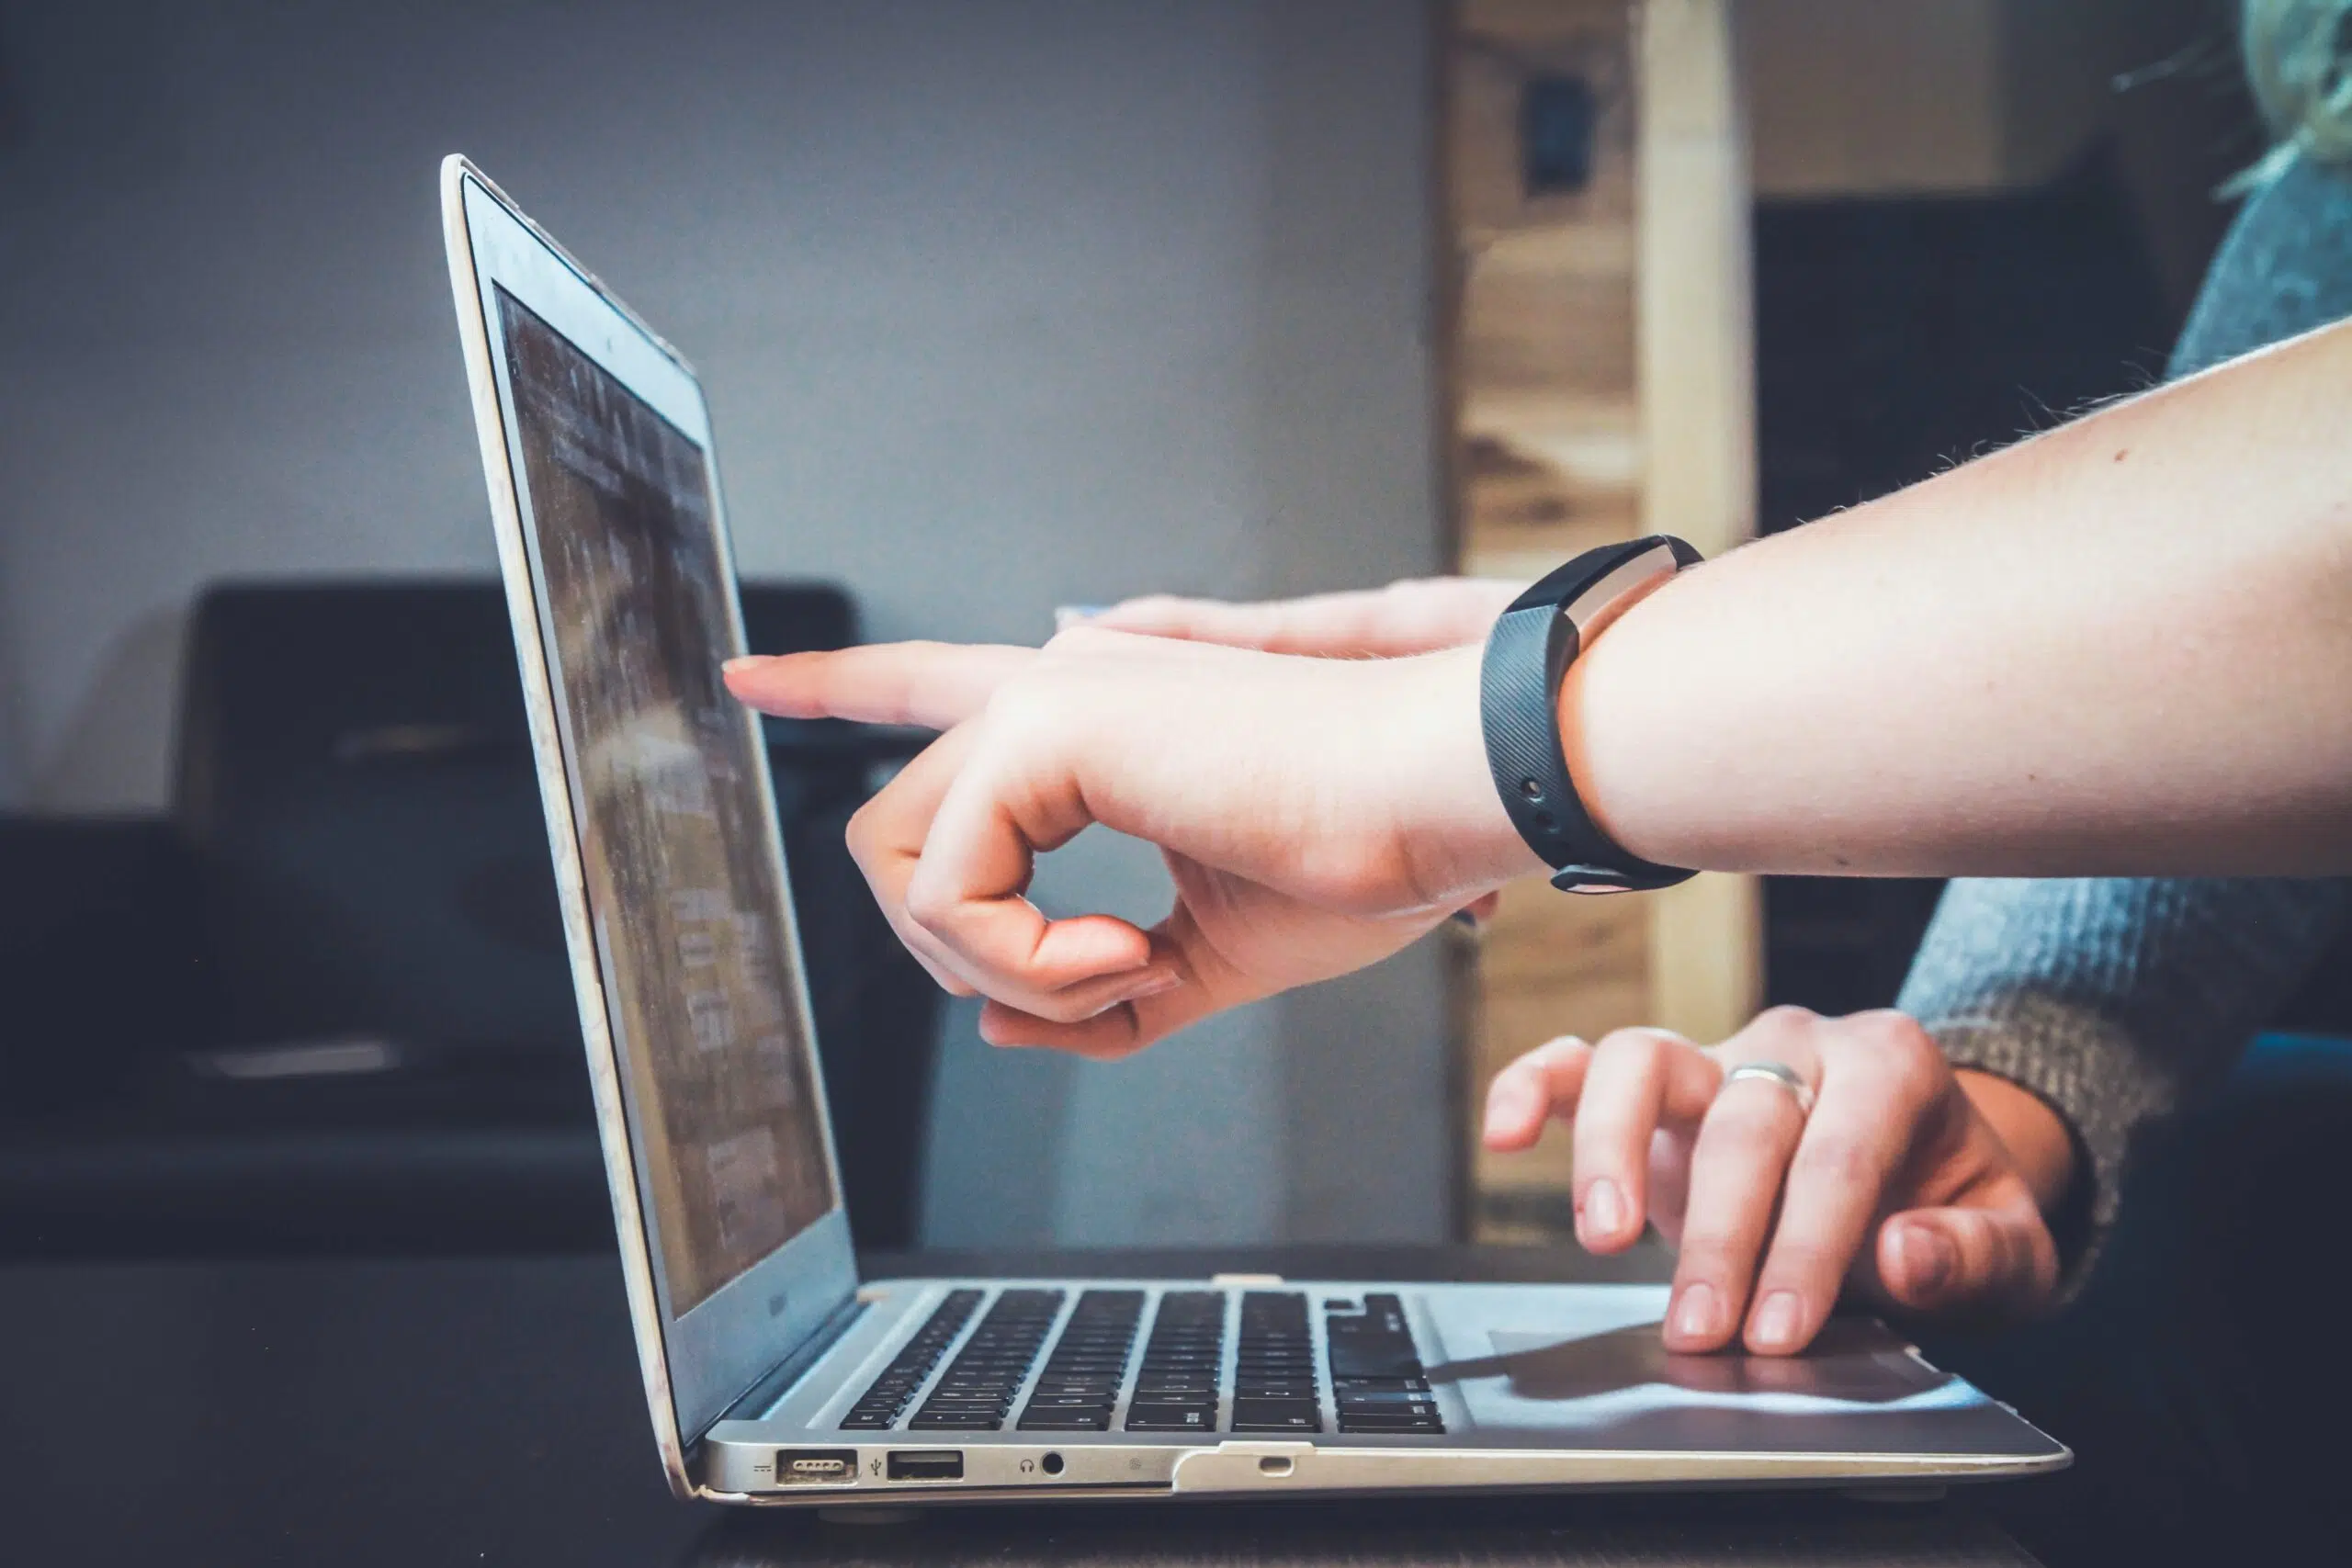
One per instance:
(488, 1411)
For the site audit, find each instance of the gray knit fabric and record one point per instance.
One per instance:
(2285, 267)
(2119, 1000)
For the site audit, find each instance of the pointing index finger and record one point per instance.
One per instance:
(934, 686)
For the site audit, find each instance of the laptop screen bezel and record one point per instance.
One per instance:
(699, 1362)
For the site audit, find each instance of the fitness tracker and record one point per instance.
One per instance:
(1519, 700)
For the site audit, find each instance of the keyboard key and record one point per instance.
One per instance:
(1356, 1359)
(1158, 1417)
(1276, 1416)
(1095, 1420)
(950, 1421)
(1379, 1424)
(1415, 1408)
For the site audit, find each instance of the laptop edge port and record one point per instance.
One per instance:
(926, 1464)
(816, 1467)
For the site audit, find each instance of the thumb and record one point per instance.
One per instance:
(1998, 1257)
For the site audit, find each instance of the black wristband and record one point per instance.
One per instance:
(1519, 688)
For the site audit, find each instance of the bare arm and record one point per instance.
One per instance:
(2124, 647)
(2120, 648)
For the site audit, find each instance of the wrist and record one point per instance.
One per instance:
(1446, 818)
(2030, 1128)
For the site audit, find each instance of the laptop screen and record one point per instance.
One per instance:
(700, 970)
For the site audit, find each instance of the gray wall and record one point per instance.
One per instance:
(1001, 305)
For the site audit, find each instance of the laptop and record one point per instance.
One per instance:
(772, 1374)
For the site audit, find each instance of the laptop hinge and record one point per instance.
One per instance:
(762, 1395)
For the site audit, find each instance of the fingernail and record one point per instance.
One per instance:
(1778, 1318)
(1159, 983)
(1509, 1099)
(1604, 1210)
(1694, 1310)
(1927, 1259)
(742, 662)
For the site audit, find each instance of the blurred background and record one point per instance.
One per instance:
(1002, 305)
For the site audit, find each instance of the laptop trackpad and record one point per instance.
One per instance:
(1620, 1387)
(1849, 1363)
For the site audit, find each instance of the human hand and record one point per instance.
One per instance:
(1417, 615)
(1316, 816)
(1923, 1187)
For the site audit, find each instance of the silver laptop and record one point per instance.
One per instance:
(772, 1374)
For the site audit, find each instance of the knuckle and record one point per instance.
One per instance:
(1083, 640)
(1558, 1055)
(1023, 705)
(862, 833)
(1787, 1018)
(930, 907)
(1898, 1038)
(1632, 1046)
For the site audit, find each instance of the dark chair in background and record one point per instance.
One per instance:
(324, 1005)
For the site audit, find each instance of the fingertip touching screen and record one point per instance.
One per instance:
(684, 889)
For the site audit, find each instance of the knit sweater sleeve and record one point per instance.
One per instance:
(2115, 1000)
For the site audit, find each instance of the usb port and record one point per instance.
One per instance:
(816, 1467)
(927, 1464)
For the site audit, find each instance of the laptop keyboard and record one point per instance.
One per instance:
(976, 1391)
(1081, 1382)
(1378, 1381)
(1274, 1387)
(879, 1409)
(1183, 1365)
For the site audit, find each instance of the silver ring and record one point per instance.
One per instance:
(1778, 1073)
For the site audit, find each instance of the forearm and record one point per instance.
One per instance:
(2119, 648)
